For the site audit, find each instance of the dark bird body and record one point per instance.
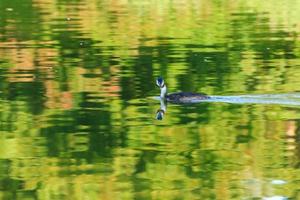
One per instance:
(185, 97)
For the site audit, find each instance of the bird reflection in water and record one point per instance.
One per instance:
(162, 110)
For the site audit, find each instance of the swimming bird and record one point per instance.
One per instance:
(178, 97)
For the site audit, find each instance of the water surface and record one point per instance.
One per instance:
(78, 118)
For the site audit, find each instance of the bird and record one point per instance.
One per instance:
(179, 97)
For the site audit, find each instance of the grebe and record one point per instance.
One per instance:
(178, 97)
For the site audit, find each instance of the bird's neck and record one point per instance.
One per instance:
(163, 92)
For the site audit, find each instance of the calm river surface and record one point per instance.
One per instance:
(78, 99)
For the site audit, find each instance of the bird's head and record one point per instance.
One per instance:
(160, 82)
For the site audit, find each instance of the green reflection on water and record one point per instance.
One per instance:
(78, 120)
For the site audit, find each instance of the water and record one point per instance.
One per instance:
(78, 118)
(281, 99)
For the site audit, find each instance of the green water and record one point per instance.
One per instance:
(78, 106)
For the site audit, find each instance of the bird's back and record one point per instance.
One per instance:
(186, 97)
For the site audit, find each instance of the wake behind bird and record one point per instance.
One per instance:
(280, 99)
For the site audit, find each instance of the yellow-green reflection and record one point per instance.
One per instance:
(77, 120)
